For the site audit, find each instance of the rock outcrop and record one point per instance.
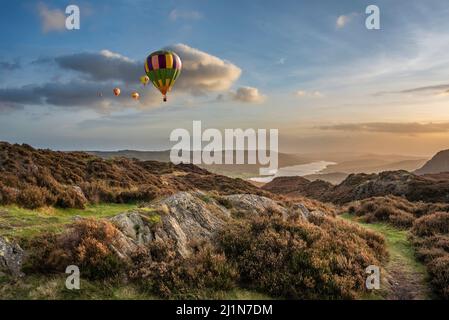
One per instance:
(11, 257)
(181, 218)
(427, 188)
(253, 204)
(193, 216)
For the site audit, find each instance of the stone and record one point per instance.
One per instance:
(11, 257)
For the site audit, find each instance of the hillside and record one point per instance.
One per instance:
(438, 164)
(428, 188)
(35, 178)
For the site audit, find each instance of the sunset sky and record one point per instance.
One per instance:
(308, 68)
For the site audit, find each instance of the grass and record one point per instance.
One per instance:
(38, 287)
(402, 254)
(16, 222)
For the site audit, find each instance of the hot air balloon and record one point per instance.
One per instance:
(163, 68)
(144, 80)
(135, 95)
(117, 91)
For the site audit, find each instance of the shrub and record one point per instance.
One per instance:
(70, 198)
(33, 197)
(439, 272)
(437, 223)
(431, 241)
(87, 244)
(396, 211)
(301, 260)
(161, 271)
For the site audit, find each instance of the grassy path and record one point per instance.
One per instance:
(406, 277)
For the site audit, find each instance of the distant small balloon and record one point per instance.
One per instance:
(117, 91)
(135, 95)
(144, 80)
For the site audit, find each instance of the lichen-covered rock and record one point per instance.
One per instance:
(186, 217)
(133, 225)
(181, 218)
(250, 203)
(11, 257)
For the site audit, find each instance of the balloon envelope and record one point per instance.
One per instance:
(144, 80)
(135, 95)
(163, 68)
(117, 91)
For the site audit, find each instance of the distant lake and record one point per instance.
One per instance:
(298, 170)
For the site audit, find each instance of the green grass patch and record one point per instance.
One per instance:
(40, 287)
(399, 247)
(16, 222)
(401, 252)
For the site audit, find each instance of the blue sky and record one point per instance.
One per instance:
(327, 86)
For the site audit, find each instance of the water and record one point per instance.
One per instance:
(298, 170)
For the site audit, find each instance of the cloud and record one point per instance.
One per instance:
(203, 72)
(343, 20)
(438, 88)
(52, 20)
(310, 94)
(248, 95)
(99, 72)
(9, 66)
(102, 66)
(176, 14)
(74, 94)
(391, 127)
(442, 89)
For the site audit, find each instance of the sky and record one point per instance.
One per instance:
(308, 68)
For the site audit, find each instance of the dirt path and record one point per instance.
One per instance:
(406, 277)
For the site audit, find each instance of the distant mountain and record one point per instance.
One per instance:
(332, 177)
(232, 170)
(162, 156)
(374, 165)
(438, 164)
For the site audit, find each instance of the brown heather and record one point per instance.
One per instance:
(34, 178)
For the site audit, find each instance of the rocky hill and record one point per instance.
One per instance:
(33, 178)
(438, 164)
(428, 188)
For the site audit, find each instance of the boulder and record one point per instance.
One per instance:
(11, 257)
(254, 204)
(181, 218)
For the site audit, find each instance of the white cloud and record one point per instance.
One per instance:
(249, 95)
(52, 20)
(176, 14)
(343, 20)
(311, 94)
(203, 72)
(113, 55)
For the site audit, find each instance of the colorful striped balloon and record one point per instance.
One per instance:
(163, 68)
